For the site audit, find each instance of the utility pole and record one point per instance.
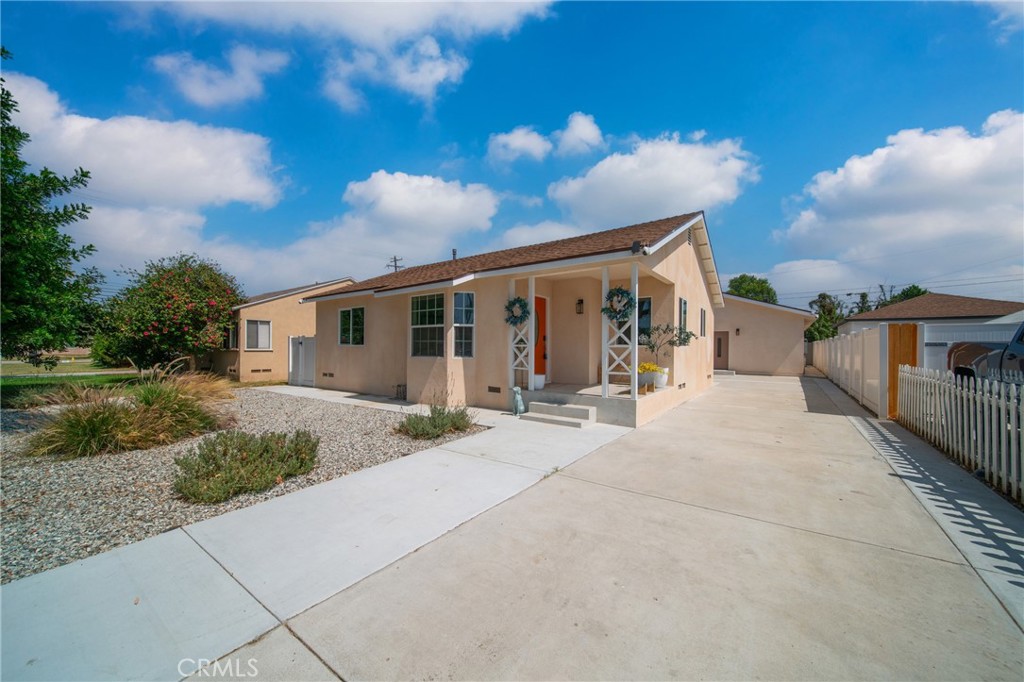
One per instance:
(394, 263)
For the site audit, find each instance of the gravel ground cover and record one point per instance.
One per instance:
(54, 512)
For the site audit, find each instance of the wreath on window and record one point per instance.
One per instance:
(517, 311)
(621, 305)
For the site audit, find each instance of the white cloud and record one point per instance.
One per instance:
(929, 207)
(416, 217)
(398, 45)
(581, 135)
(545, 231)
(519, 142)
(419, 70)
(1009, 16)
(659, 177)
(209, 86)
(141, 161)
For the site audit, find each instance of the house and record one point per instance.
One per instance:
(933, 309)
(440, 332)
(256, 347)
(753, 337)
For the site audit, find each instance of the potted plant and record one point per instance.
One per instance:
(647, 373)
(657, 339)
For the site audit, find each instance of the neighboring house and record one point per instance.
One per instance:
(933, 309)
(256, 347)
(753, 337)
(438, 332)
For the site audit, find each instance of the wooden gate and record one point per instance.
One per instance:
(902, 351)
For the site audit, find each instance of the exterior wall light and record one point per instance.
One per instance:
(579, 306)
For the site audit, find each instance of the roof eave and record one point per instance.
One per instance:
(293, 293)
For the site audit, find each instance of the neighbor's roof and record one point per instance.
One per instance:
(594, 244)
(932, 306)
(274, 295)
(779, 306)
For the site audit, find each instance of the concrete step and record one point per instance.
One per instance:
(583, 412)
(725, 372)
(576, 416)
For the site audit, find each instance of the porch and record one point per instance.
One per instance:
(619, 407)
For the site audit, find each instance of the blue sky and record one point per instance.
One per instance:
(834, 146)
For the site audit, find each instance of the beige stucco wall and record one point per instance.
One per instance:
(770, 340)
(378, 365)
(287, 318)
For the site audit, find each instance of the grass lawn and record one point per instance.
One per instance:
(9, 367)
(11, 388)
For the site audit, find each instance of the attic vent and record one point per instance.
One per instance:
(689, 236)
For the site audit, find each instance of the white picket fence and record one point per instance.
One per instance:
(976, 422)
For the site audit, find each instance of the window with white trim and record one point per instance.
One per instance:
(703, 322)
(257, 335)
(428, 326)
(682, 313)
(230, 337)
(464, 322)
(351, 326)
(643, 317)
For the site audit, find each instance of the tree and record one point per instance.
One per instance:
(905, 294)
(44, 303)
(862, 305)
(756, 288)
(176, 307)
(831, 313)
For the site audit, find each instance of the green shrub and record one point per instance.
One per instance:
(233, 462)
(112, 420)
(107, 423)
(439, 421)
(176, 414)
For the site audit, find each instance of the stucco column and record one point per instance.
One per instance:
(634, 350)
(511, 341)
(604, 333)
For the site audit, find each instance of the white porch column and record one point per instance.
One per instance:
(530, 333)
(604, 333)
(511, 341)
(634, 355)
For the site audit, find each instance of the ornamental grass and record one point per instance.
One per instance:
(115, 419)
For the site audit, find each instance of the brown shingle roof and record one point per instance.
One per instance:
(931, 306)
(596, 243)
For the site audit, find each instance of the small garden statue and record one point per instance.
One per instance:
(518, 407)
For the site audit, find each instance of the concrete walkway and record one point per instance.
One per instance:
(156, 609)
(759, 531)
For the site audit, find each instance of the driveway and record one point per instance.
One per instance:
(754, 532)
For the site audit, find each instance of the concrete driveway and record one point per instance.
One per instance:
(752, 533)
(764, 530)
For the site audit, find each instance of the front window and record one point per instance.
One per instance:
(428, 326)
(257, 335)
(643, 317)
(350, 326)
(464, 322)
(703, 322)
(682, 313)
(231, 337)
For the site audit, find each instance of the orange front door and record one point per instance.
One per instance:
(540, 330)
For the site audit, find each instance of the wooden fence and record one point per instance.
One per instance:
(976, 422)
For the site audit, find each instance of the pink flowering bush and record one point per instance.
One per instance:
(177, 306)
